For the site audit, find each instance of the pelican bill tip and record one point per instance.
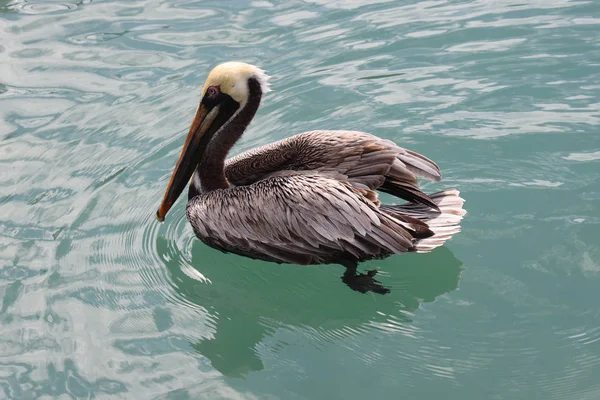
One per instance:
(160, 218)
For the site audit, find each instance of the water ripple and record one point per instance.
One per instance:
(42, 7)
(98, 298)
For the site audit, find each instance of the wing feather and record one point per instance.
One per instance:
(301, 219)
(364, 160)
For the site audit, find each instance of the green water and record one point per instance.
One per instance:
(98, 300)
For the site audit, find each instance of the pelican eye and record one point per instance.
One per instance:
(212, 91)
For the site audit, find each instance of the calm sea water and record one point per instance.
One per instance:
(97, 300)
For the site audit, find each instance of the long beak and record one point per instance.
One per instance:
(188, 160)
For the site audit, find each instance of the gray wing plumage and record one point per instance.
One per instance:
(302, 218)
(366, 161)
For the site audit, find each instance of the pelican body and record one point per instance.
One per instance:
(307, 199)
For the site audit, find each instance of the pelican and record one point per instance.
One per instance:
(307, 199)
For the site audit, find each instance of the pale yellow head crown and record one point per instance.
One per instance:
(232, 78)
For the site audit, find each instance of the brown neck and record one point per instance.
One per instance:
(210, 174)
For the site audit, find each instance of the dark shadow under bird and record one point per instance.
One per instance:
(308, 199)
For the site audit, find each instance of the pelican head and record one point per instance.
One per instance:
(232, 79)
(228, 90)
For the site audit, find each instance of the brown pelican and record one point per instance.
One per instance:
(307, 199)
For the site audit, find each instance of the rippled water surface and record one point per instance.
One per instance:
(98, 300)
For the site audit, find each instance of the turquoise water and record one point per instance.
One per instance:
(98, 300)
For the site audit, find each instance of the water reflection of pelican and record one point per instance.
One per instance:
(245, 316)
(307, 199)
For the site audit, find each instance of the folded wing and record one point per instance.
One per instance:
(365, 161)
(302, 218)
